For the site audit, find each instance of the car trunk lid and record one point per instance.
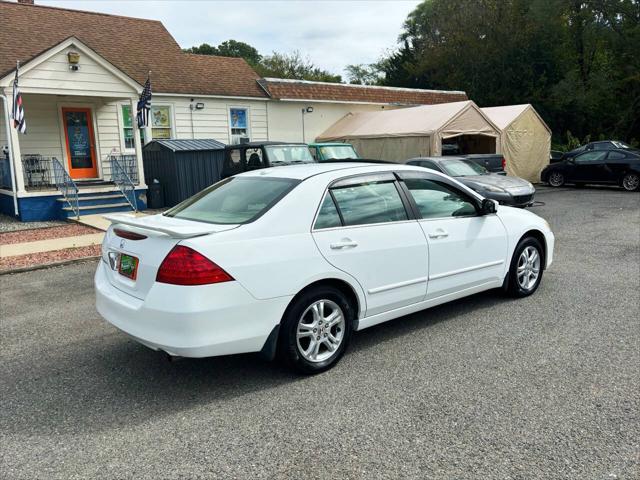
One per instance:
(148, 239)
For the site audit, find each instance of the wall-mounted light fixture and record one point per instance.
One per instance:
(304, 112)
(74, 59)
(199, 106)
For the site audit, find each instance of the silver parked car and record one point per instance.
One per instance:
(512, 191)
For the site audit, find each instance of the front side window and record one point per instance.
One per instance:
(239, 122)
(370, 203)
(438, 200)
(234, 200)
(160, 122)
(591, 157)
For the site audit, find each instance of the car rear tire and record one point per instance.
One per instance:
(631, 182)
(527, 266)
(315, 330)
(556, 179)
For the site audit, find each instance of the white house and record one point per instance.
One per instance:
(81, 74)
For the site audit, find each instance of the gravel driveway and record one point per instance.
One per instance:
(486, 387)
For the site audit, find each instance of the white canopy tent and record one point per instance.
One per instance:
(525, 139)
(404, 133)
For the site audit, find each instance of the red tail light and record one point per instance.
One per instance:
(504, 163)
(185, 266)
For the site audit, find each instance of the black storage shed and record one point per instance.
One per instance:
(182, 166)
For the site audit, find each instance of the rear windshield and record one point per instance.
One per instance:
(463, 168)
(338, 152)
(234, 200)
(288, 154)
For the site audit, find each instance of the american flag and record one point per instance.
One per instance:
(144, 105)
(17, 113)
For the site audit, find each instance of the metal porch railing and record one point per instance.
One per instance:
(66, 185)
(38, 172)
(122, 178)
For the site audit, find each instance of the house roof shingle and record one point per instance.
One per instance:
(284, 89)
(133, 45)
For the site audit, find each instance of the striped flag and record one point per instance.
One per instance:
(17, 113)
(144, 105)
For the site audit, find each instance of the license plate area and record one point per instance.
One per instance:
(128, 266)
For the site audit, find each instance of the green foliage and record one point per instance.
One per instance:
(362, 74)
(576, 61)
(293, 65)
(280, 65)
(229, 48)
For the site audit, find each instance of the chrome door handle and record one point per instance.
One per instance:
(343, 244)
(439, 234)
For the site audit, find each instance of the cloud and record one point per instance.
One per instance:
(332, 33)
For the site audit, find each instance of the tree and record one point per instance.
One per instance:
(362, 74)
(576, 61)
(229, 48)
(294, 65)
(280, 65)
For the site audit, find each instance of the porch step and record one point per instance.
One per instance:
(101, 199)
(98, 209)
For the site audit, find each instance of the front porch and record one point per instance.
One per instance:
(82, 150)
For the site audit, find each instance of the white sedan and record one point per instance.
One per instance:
(290, 261)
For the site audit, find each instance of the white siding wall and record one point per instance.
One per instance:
(285, 118)
(54, 73)
(213, 120)
(45, 128)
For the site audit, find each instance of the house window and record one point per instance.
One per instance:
(239, 121)
(161, 122)
(127, 128)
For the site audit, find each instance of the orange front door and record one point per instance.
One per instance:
(81, 147)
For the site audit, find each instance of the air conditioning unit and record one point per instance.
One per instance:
(244, 139)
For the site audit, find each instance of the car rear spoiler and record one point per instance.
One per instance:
(173, 227)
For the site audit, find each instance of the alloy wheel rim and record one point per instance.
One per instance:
(631, 182)
(320, 331)
(556, 179)
(528, 268)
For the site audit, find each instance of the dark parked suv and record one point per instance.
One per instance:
(254, 155)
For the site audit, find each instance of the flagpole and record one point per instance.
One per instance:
(8, 126)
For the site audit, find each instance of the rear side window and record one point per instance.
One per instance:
(437, 200)
(328, 216)
(616, 156)
(370, 203)
(234, 200)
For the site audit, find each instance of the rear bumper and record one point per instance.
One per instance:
(193, 321)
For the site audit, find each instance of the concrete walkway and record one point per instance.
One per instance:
(96, 221)
(49, 245)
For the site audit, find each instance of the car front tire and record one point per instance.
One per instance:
(526, 269)
(556, 179)
(315, 330)
(631, 182)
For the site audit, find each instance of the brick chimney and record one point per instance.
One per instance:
(26, 2)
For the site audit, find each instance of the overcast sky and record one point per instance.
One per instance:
(333, 33)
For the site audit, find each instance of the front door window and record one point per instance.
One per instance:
(79, 136)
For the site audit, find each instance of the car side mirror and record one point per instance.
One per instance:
(488, 207)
